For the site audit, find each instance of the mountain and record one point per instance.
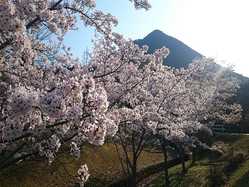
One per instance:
(181, 55)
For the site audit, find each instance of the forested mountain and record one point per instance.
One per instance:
(180, 54)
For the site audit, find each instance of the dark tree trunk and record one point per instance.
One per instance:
(165, 154)
(182, 155)
(183, 165)
(134, 176)
(193, 156)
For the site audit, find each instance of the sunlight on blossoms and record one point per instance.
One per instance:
(107, 112)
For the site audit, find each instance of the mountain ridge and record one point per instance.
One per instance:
(180, 54)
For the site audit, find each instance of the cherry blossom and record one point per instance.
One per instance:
(47, 98)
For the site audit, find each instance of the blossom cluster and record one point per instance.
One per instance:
(171, 103)
(48, 99)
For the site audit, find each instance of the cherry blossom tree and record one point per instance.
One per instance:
(173, 104)
(199, 94)
(48, 99)
(128, 68)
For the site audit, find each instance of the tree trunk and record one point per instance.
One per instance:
(193, 156)
(182, 153)
(134, 176)
(183, 165)
(134, 163)
(166, 172)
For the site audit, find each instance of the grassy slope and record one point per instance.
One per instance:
(104, 166)
(240, 178)
(103, 163)
(197, 175)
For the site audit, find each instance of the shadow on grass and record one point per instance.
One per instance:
(177, 180)
(95, 182)
(243, 181)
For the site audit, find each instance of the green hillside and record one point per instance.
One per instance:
(209, 172)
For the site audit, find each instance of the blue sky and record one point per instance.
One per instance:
(215, 28)
(132, 23)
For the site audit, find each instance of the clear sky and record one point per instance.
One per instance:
(215, 28)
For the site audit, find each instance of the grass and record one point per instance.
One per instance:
(235, 142)
(240, 177)
(195, 177)
(198, 174)
(103, 164)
